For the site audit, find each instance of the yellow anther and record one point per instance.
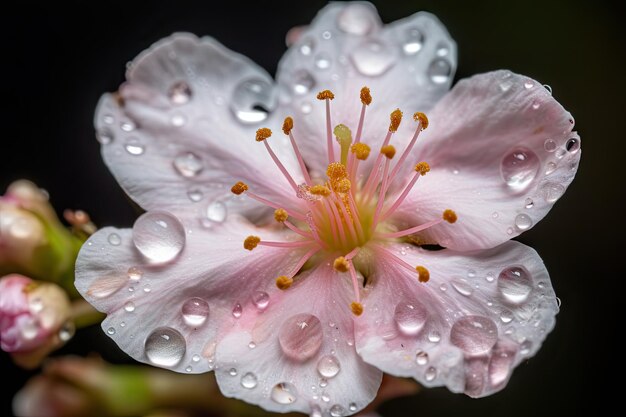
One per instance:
(251, 242)
(357, 308)
(343, 186)
(366, 97)
(326, 94)
(360, 150)
(288, 125)
(422, 168)
(449, 216)
(283, 282)
(262, 134)
(389, 151)
(336, 171)
(395, 119)
(341, 264)
(239, 188)
(424, 275)
(421, 117)
(320, 190)
(280, 215)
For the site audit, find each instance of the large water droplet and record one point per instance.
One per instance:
(572, 145)
(216, 212)
(421, 358)
(253, 100)
(515, 284)
(439, 71)
(159, 236)
(430, 374)
(410, 317)
(114, 239)
(552, 191)
(328, 366)
(129, 306)
(249, 380)
(179, 93)
(500, 366)
(134, 147)
(475, 335)
(188, 164)
(337, 411)
(355, 19)
(434, 336)
(523, 221)
(195, 311)
(301, 336)
(284, 393)
(519, 168)
(413, 41)
(462, 287)
(303, 82)
(165, 347)
(373, 58)
(261, 300)
(550, 145)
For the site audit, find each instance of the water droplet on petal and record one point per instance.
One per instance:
(529, 203)
(253, 100)
(106, 286)
(439, 71)
(515, 284)
(188, 164)
(232, 372)
(410, 317)
(550, 145)
(572, 145)
(301, 336)
(307, 47)
(237, 311)
(261, 300)
(430, 374)
(373, 58)
(475, 335)
(108, 119)
(506, 316)
(104, 136)
(322, 61)
(127, 126)
(550, 167)
(178, 120)
(159, 236)
(303, 82)
(352, 407)
(315, 410)
(413, 41)
(528, 84)
(442, 49)
(328, 366)
(525, 347)
(188, 369)
(327, 35)
(195, 194)
(67, 331)
(337, 411)
(462, 287)
(523, 221)
(519, 168)
(114, 239)
(500, 366)
(421, 358)
(552, 191)
(195, 311)
(195, 358)
(490, 277)
(251, 345)
(129, 307)
(284, 393)
(547, 87)
(355, 19)
(111, 331)
(134, 147)
(179, 93)
(135, 273)
(216, 212)
(249, 380)
(165, 347)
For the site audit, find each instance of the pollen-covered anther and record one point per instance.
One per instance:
(262, 134)
(422, 168)
(357, 308)
(251, 242)
(239, 188)
(422, 119)
(336, 171)
(287, 125)
(326, 94)
(341, 264)
(343, 186)
(320, 190)
(423, 274)
(283, 282)
(389, 151)
(366, 97)
(395, 119)
(280, 215)
(361, 151)
(449, 216)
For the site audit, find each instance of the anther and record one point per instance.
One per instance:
(341, 264)
(360, 150)
(262, 134)
(449, 216)
(283, 282)
(389, 151)
(239, 188)
(343, 186)
(422, 119)
(326, 94)
(424, 275)
(320, 190)
(251, 242)
(336, 171)
(357, 308)
(280, 215)
(422, 168)
(395, 119)
(366, 97)
(288, 125)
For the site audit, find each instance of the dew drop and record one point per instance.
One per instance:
(462, 287)
(490, 277)
(249, 380)
(421, 358)
(525, 347)
(337, 411)
(232, 372)
(523, 221)
(509, 231)
(261, 300)
(178, 120)
(495, 215)
(536, 105)
(216, 212)
(253, 100)
(529, 203)
(430, 374)
(352, 407)
(114, 239)
(108, 119)
(322, 61)
(560, 153)
(303, 82)
(188, 164)
(159, 236)
(572, 145)
(475, 335)
(355, 19)
(552, 191)
(550, 145)
(373, 58)
(328, 366)
(443, 287)
(300, 336)
(315, 410)
(129, 307)
(195, 311)
(550, 167)
(307, 47)
(237, 311)
(413, 41)
(134, 147)
(506, 316)
(410, 317)
(188, 369)
(127, 126)
(439, 71)
(547, 87)
(134, 273)
(519, 168)
(515, 284)
(195, 194)
(179, 93)
(284, 393)
(195, 358)
(111, 331)
(67, 331)
(325, 397)
(528, 84)
(165, 347)
(104, 136)
(442, 49)
(327, 35)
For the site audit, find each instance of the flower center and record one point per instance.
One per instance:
(342, 213)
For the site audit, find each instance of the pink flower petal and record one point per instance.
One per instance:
(174, 137)
(170, 313)
(501, 151)
(479, 315)
(407, 64)
(299, 354)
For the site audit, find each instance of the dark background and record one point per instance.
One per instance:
(57, 61)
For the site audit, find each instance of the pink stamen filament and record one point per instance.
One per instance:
(355, 282)
(374, 172)
(346, 216)
(294, 214)
(394, 259)
(281, 166)
(381, 197)
(406, 152)
(294, 244)
(329, 134)
(353, 162)
(401, 198)
(302, 261)
(291, 226)
(305, 171)
(337, 219)
(410, 231)
(357, 220)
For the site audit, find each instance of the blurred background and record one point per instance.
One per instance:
(58, 60)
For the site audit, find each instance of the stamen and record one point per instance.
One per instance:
(357, 308)
(262, 134)
(344, 137)
(325, 95)
(422, 119)
(273, 205)
(410, 231)
(405, 192)
(336, 171)
(294, 244)
(341, 264)
(383, 191)
(366, 97)
(360, 150)
(279, 164)
(328, 95)
(449, 216)
(419, 117)
(343, 186)
(283, 282)
(320, 190)
(422, 168)
(301, 232)
(239, 188)
(287, 125)
(424, 275)
(396, 118)
(287, 128)
(280, 215)
(251, 242)
(389, 151)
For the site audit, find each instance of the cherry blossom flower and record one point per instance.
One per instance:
(300, 266)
